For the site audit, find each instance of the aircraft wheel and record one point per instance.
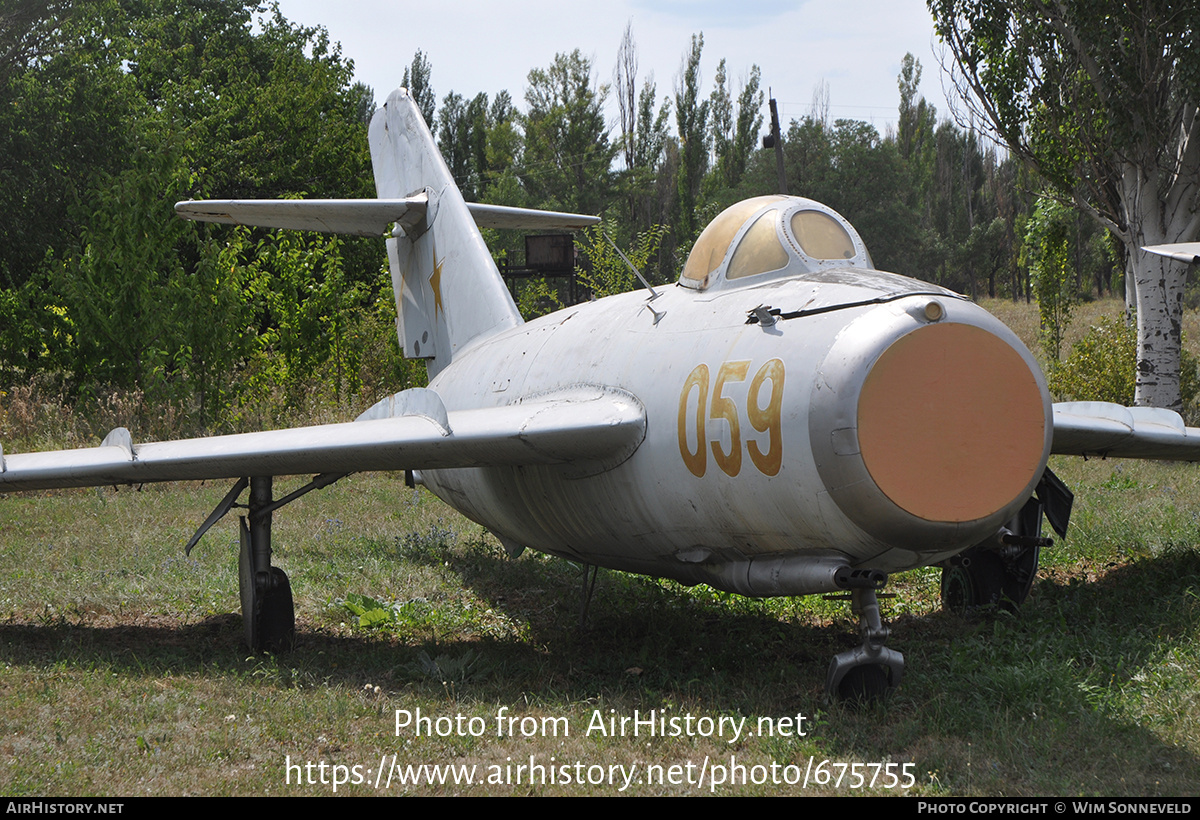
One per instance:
(1018, 578)
(865, 683)
(974, 582)
(1021, 571)
(268, 614)
(276, 614)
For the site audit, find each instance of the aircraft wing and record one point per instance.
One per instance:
(412, 430)
(363, 217)
(1096, 428)
(1181, 251)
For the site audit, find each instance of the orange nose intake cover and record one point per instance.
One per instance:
(951, 423)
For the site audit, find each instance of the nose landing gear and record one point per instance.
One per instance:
(867, 672)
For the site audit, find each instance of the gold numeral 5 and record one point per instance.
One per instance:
(724, 408)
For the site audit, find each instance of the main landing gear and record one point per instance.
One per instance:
(268, 613)
(999, 573)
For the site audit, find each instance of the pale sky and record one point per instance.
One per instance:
(854, 45)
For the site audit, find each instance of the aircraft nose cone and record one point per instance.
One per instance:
(930, 433)
(951, 423)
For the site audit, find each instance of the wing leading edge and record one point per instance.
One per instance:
(1096, 428)
(593, 426)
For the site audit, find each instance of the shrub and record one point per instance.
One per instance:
(1102, 366)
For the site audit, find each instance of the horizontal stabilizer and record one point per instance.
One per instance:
(502, 217)
(1097, 428)
(364, 217)
(583, 425)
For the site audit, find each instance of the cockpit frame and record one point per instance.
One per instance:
(772, 237)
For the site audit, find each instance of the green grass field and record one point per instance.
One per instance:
(122, 673)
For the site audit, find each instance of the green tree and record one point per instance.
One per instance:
(416, 80)
(915, 142)
(652, 132)
(1101, 97)
(481, 144)
(364, 102)
(567, 161)
(605, 272)
(1047, 252)
(453, 139)
(64, 117)
(865, 181)
(625, 82)
(646, 184)
(503, 144)
(643, 140)
(691, 120)
(720, 106)
(735, 127)
(143, 104)
(918, 119)
(31, 30)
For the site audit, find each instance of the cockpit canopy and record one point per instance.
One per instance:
(772, 237)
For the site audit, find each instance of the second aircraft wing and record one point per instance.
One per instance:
(1096, 428)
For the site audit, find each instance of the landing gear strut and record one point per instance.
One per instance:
(999, 574)
(268, 615)
(870, 671)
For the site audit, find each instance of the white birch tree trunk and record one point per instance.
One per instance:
(1160, 194)
(1160, 285)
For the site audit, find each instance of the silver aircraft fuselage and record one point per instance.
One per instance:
(816, 422)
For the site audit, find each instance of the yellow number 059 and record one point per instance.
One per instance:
(763, 418)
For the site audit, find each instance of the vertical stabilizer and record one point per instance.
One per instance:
(448, 290)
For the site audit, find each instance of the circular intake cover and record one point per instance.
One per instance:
(951, 423)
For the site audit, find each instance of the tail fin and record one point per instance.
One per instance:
(448, 290)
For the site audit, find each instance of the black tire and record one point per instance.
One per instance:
(1020, 572)
(866, 683)
(1019, 576)
(974, 582)
(268, 615)
(277, 615)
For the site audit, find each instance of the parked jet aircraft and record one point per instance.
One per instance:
(786, 420)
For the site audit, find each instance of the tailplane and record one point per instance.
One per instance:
(449, 293)
(448, 290)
